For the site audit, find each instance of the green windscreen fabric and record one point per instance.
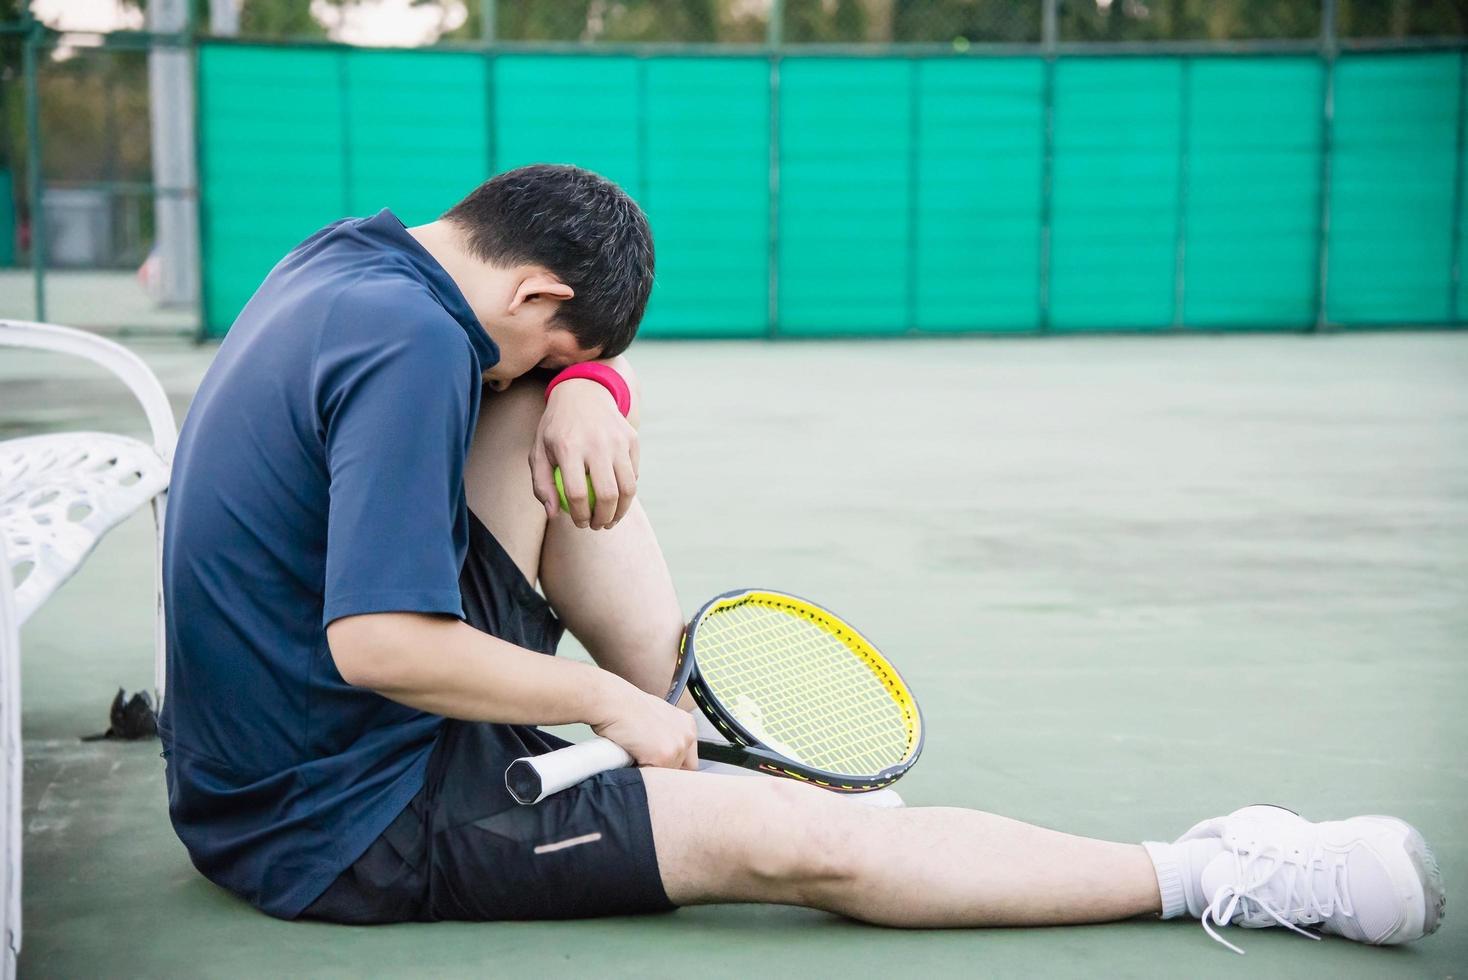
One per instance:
(1113, 251)
(292, 139)
(417, 139)
(1392, 198)
(706, 191)
(1252, 217)
(689, 139)
(906, 195)
(272, 147)
(845, 195)
(980, 169)
(582, 111)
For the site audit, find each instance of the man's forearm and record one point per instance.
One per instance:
(448, 668)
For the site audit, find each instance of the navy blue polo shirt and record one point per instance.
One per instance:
(319, 475)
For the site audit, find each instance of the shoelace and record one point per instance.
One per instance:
(1299, 891)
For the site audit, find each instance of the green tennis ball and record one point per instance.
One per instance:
(561, 492)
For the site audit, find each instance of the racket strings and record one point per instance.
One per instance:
(801, 689)
(814, 701)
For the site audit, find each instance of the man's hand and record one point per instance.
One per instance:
(582, 432)
(654, 732)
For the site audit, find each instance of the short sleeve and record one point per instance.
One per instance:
(396, 407)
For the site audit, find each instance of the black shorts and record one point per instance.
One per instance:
(462, 848)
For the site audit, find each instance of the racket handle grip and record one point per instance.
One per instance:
(534, 777)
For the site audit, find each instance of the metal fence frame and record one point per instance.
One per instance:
(1327, 46)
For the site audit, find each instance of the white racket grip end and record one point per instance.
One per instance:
(534, 777)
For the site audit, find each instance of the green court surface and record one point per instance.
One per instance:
(1135, 583)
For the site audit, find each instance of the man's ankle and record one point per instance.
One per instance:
(1179, 870)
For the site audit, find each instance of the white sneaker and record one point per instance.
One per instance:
(1371, 879)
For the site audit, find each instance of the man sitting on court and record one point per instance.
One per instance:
(362, 505)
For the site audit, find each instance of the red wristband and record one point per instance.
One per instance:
(609, 379)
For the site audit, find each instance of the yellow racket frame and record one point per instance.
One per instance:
(748, 744)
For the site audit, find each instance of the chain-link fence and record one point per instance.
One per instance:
(80, 194)
(887, 22)
(758, 22)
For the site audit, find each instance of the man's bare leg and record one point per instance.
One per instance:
(611, 588)
(934, 867)
(783, 842)
(497, 473)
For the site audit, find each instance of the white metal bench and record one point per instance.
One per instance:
(59, 494)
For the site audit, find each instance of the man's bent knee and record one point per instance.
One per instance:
(801, 841)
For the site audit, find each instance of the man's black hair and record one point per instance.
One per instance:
(581, 227)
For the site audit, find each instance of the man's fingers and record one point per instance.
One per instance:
(543, 480)
(626, 488)
(573, 478)
(607, 495)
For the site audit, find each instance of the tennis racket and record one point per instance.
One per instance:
(794, 690)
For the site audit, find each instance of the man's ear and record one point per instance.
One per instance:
(542, 285)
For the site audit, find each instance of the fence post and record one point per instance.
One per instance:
(488, 37)
(642, 135)
(175, 180)
(344, 119)
(1049, 38)
(30, 43)
(774, 38)
(1327, 148)
(196, 49)
(488, 14)
(914, 168)
(224, 18)
(1184, 149)
(1455, 281)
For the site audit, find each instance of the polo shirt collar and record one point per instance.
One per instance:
(387, 225)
